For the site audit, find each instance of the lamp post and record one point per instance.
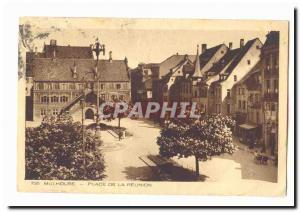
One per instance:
(98, 48)
(83, 137)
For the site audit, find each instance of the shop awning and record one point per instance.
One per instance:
(248, 126)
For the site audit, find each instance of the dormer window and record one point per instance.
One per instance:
(235, 78)
(248, 62)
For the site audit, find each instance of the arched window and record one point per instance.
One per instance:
(44, 99)
(54, 99)
(63, 98)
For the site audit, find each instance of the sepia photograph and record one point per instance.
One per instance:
(111, 105)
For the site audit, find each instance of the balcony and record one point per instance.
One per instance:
(271, 97)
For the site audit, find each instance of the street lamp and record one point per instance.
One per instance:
(98, 48)
(83, 137)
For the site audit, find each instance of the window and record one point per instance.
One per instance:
(102, 86)
(268, 86)
(63, 99)
(43, 112)
(55, 86)
(251, 97)
(276, 86)
(113, 97)
(103, 97)
(118, 86)
(40, 86)
(257, 47)
(195, 94)
(268, 63)
(248, 62)
(275, 61)
(240, 104)
(54, 99)
(72, 86)
(55, 112)
(257, 117)
(273, 107)
(243, 91)
(244, 105)
(121, 97)
(228, 93)
(44, 99)
(64, 86)
(235, 78)
(80, 86)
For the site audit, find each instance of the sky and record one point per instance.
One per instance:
(145, 41)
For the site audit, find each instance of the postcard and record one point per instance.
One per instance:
(152, 106)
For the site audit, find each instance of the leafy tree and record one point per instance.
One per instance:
(54, 151)
(209, 136)
(28, 34)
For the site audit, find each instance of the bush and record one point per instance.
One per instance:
(53, 151)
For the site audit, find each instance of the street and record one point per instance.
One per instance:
(123, 158)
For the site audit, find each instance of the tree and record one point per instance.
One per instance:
(28, 34)
(207, 137)
(54, 151)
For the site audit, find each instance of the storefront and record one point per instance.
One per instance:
(249, 134)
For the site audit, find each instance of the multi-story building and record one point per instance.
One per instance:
(142, 79)
(248, 107)
(227, 72)
(50, 51)
(59, 83)
(179, 79)
(270, 77)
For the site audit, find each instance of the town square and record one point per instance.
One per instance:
(207, 112)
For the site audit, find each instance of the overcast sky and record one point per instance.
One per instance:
(139, 44)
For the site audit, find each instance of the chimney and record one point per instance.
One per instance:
(230, 45)
(52, 42)
(126, 61)
(241, 42)
(110, 56)
(204, 46)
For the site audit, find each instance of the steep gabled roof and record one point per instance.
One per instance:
(81, 52)
(208, 54)
(172, 62)
(224, 61)
(46, 69)
(239, 56)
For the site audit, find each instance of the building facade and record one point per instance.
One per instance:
(59, 83)
(240, 63)
(270, 90)
(248, 108)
